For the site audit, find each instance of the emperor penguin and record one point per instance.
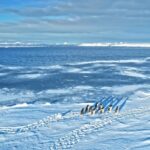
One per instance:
(82, 111)
(87, 109)
(117, 109)
(101, 109)
(110, 108)
(91, 111)
(100, 106)
(94, 110)
(96, 105)
(90, 108)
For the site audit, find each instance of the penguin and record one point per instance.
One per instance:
(91, 112)
(101, 106)
(97, 109)
(102, 109)
(110, 108)
(96, 105)
(117, 109)
(87, 109)
(90, 108)
(94, 110)
(82, 111)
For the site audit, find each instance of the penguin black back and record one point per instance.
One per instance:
(86, 108)
(90, 108)
(117, 109)
(82, 111)
(96, 105)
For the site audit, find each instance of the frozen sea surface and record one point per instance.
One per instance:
(42, 91)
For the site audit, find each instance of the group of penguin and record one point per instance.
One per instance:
(97, 108)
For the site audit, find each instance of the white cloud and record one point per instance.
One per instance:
(106, 20)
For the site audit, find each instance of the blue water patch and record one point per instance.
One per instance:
(70, 74)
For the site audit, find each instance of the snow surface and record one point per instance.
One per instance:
(48, 117)
(45, 127)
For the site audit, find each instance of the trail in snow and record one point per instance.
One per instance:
(69, 140)
(58, 117)
(41, 123)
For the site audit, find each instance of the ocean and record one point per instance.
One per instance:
(54, 81)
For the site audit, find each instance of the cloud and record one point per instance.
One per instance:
(99, 18)
(83, 8)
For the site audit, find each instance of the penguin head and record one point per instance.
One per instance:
(110, 106)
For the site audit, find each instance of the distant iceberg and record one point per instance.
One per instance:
(108, 44)
(121, 44)
(21, 44)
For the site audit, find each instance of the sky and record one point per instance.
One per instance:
(75, 21)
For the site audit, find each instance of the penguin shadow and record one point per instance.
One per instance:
(123, 104)
(108, 104)
(118, 103)
(105, 104)
(99, 107)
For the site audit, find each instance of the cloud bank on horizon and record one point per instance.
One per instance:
(75, 21)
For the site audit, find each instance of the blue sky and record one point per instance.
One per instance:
(75, 21)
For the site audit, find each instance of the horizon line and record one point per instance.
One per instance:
(86, 44)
